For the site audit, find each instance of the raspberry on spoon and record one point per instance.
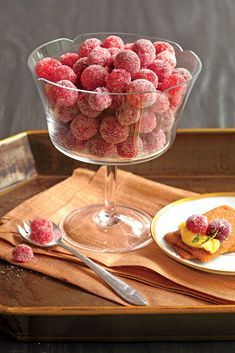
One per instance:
(42, 235)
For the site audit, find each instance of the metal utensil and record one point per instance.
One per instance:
(125, 291)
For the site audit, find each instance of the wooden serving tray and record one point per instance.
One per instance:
(35, 307)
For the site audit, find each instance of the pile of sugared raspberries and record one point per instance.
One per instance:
(130, 106)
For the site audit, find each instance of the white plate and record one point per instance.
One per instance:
(169, 217)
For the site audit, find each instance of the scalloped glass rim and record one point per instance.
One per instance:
(89, 35)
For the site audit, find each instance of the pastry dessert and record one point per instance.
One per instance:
(205, 237)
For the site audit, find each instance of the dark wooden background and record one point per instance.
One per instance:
(204, 26)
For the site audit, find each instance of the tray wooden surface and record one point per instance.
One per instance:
(36, 307)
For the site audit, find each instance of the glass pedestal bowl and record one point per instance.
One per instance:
(133, 126)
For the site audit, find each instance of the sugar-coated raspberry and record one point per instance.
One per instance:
(83, 127)
(131, 147)
(113, 42)
(161, 103)
(69, 141)
(147, 121)
(98, 56)
(84, 106)
(148, 75)
(65, 96)
(127, 60)
(117, 103)
(168, 57)
(109, 66)
(110, 62)
(175, 100)
(145, 50)
(66, 114)
(45, 67)
(40, 222)
(113, 51)
(161, 68)
(162, 46)
(93, 76)
(100, 100)
(221, 227)
(87, 46)
(99, 147)
(165, 120)
(183, 72)
(112, 131)
(69, 59)
(174, 80)
(197, 223)
(127, 114)
(22, 253)
(159, 86)
(153, 141)
(117, 80)
(42, 235)
(79, 66)
(60, 133)
(128, 46)
(141, 99)
(48, 89)
(63, 72)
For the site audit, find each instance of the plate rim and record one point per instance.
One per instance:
(177, 202)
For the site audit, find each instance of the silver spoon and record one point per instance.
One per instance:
(121, 288)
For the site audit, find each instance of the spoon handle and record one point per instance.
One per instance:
(121, 288)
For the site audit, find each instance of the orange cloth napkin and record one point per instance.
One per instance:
(162, 280)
